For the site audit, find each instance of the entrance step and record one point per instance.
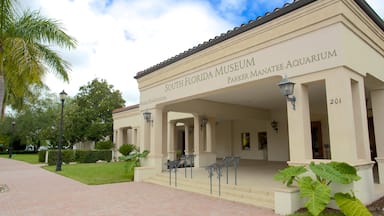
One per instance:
(242, 194)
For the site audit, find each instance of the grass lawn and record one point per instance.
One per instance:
(96, 173)
(29, 158)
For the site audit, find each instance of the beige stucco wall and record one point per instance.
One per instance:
(338, 45)
(318, 28)
(224, 139)
(127, 118)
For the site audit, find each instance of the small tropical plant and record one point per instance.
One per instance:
(317, 190)
(126, 149)
(102, 145)
(133, 158)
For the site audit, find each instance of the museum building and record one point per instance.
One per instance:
(230, 96)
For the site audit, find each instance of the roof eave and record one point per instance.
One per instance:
(278, 12)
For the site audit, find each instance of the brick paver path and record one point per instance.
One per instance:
(35, 191)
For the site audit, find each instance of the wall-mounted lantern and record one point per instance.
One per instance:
(286, 89)
(148, 117)
(274, 125)
(203, 123)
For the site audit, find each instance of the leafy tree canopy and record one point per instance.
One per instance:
(90, 117)
(35, 123)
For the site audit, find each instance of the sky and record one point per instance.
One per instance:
(118, 38)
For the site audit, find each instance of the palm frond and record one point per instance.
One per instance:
(7, 12)
(54, 61)
(43, 30)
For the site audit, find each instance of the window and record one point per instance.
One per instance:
(246, 141)
(262, 136)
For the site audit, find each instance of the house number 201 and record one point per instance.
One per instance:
(335, 101)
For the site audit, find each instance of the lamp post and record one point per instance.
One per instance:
(63, 95)
(10, 147)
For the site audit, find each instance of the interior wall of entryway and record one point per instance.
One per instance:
(228, 138)
(278, 145)
(224, 139)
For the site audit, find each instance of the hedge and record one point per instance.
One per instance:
(104, 145)
(42, 156)
(81, 156)
(19, 152)
(67, 156)
(87, 156)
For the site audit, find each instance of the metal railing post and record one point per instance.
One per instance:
(236, 160)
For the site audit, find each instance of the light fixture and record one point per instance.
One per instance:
(286, 89)
(204, 122)
(63, 95)
(59, 162)
(274, 125)
(147, 116)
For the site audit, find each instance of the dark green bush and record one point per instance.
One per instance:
(81, 156)
(104, 145)
(42, 156)
(18, 152)
(125, 149)
(66, 155)
(89, 156)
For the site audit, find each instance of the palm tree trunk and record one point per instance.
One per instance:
(2, 91)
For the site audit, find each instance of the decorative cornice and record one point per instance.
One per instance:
(269, 16)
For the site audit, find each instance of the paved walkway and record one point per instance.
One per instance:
(35, 191)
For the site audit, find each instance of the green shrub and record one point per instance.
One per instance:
(67, 156)
(104, 145)
(134, 159)
(81, 156)
(42, 156)
(125, 149)
(317, 191)
(89, 156)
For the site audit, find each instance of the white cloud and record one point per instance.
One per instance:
(117, 40)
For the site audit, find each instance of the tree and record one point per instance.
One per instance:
(90, 119)
(35, 123)
(26, 55)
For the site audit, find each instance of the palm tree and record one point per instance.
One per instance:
(26, 55)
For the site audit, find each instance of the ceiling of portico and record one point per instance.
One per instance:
(261, 96)
(265, 94)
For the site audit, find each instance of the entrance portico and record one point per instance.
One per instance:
(220, 98)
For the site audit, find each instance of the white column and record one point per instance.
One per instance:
(171, 140)
(129, 135)
(299, 127)
(115, 136)
(196, 134)
(211, 135)
(197, 139)
(120, 139)
(153, 138)
(156, 141)
(348, 128)
(146, 136)
(377, 97)
(134, 136)
(186, 139)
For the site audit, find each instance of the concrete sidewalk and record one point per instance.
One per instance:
(35, 191)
